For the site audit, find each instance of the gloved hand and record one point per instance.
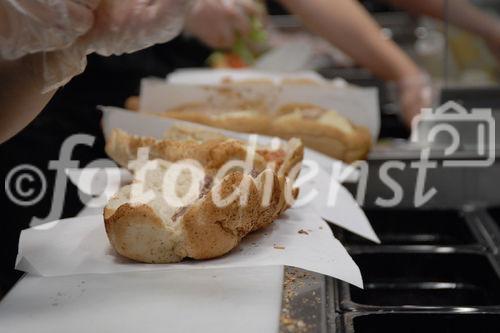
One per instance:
(31, 26)
(126, 26)
(217, 23)
(121, 26)
(414, 94)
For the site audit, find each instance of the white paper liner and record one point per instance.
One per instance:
(80, 246)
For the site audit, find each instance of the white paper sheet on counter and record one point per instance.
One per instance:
(80, 246)
(347, 215)
(336, 205)
(243, 300)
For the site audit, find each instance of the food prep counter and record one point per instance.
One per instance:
(436, 270)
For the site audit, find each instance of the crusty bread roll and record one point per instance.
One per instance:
(192, 133)
(320, 129)
(161, 232)
(212, 154)
(133, 103)
(323, 130)
(246, 121)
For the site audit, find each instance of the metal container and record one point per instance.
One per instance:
(435, 271)
(419, 323)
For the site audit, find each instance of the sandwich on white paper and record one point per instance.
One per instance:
(193, 196)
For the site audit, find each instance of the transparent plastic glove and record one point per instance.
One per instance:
(414, 94)
(126, 26)
(31, 26)
(217, 23)
(59, 67)
(121, 26)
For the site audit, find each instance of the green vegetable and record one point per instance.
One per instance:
(244, 45)
(215, 57)
(241, 48)
(257, 34)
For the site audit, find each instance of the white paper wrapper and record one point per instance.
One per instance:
(360, 105)
(344, 212)
(279, 59)
(216, 76)
(80, 246)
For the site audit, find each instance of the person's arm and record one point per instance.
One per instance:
(28, 27)
(27, 30)
(348, 26)
(21, 99)
(117, 27)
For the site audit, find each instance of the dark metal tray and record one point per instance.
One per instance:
(423, 281)
(419, 229)
(494, 214)
(435, 271)
(428, 260)
(419, 323)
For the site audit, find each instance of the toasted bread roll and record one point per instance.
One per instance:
(320, 129)
(246, 121)
(191, 133)
(149, 226)
(212, 154)
(323, 130)
(133, 103)
(157, 232)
